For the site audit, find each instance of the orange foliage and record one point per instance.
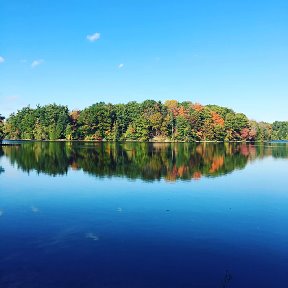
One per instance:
(197, 107)
(217, 119)
(182, 111)
(171, 174)
(175, 172)
(197, 175)
(181, 170)
(217, 164)
(74, 166)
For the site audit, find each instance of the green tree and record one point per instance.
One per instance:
(146, 121)
(1, 128)
(183, 129)
(280, 130)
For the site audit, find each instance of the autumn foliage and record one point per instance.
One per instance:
(146, 121)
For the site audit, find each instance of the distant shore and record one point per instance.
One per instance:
(4, 143)
(148, 121)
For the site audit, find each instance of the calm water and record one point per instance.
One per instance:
(143, 215)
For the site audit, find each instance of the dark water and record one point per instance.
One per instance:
(143, 215)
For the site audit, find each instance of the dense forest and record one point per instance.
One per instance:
(146, 121)
(147, 161)
(1, 128)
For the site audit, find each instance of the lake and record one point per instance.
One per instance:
(146, 215)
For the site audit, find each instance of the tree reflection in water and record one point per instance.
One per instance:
(146, 161)
(1, 154)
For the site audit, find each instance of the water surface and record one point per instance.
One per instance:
(143, 215)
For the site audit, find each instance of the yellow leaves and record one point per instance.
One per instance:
(200, 150)
(170, 104)
(156, 119)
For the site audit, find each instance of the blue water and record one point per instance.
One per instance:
(79, 230)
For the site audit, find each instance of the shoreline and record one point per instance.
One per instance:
(136, 141)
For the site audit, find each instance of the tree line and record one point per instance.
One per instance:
(146, 121)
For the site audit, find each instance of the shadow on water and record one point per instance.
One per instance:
(146, 161)
(227, 280)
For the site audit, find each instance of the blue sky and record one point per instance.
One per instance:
(230, 53)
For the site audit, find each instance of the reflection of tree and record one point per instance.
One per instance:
(1, 154)
(147, 161)
(49, 158)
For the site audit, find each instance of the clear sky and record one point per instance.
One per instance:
(232, 53)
